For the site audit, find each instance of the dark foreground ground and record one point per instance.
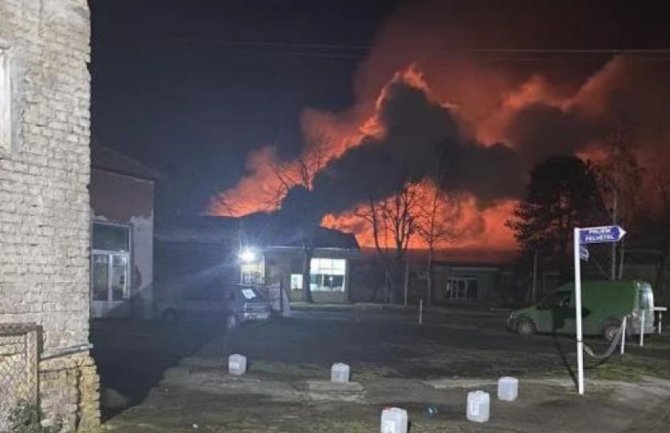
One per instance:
(173, 378)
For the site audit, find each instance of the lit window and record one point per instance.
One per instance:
(296, 281)
(5, 99)
(327, 275)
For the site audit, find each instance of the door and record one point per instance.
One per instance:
(553, 313)
(110, 283)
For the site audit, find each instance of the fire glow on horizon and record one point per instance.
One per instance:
(521, 111)
(260, 190)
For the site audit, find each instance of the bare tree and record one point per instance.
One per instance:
(619, 178)
(436, 223)
(396, 217)
(300, 174)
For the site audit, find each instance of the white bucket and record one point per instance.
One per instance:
(237, 364)
(339, 373)
(478, 406)
(508, 388)
(394, 420)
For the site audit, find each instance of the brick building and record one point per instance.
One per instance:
(44, 211)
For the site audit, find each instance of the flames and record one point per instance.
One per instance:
(475, 230)
(495, 106)
(268, 177)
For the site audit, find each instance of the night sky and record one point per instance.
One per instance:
(168, 93)
(190, 87)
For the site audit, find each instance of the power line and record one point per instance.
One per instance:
(349, 51)
(303, 45)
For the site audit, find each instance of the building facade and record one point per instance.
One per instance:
(251, 251)
(452, 281)
(122, 207)
(44, 215)
(329, 271)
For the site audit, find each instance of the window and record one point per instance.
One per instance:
(252, 277)
(109, 237)
(110, 276)
(556, 299)
(5, 101)
(110, 267)
(327, 275)
(296, 281)
(462, 289)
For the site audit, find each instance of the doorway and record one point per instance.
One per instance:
(110, 270)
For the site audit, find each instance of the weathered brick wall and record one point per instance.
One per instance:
(44, 203)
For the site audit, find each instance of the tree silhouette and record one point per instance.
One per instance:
(562, 194)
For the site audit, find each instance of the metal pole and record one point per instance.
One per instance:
(421, 311)
(642, 329)
(615, 204)
(578, 313)
(533, 291)
(623, 335)
(406, 279)
(660, 322)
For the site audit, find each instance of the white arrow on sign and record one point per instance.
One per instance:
(601, 235)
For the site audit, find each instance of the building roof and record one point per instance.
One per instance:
(104, 158)
(255, 229)
(476, 258)
(323, 238)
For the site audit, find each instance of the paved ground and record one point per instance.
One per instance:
(174, 376)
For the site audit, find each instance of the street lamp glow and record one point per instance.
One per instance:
(247, 255)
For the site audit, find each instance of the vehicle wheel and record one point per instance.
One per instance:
(610, 329)
(231, 322)
(170, 315)
(526, 327)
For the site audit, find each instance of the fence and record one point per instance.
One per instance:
(18, 368)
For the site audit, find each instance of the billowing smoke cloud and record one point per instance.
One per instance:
(485, 119)
(627, 97)
(417, 138)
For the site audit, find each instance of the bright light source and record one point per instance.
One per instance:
(247, 255)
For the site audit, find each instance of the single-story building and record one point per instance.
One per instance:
(329, 266)
(251, 250)
(453, 280)
(122, 212)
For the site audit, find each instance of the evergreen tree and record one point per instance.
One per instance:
(562, 194)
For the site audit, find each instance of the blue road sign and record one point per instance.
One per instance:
(584, 253)
(601, 235)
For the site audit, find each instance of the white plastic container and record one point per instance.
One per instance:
(479, 404)
(339, 373)
(508, 388)
(394, 420)
(237, 364)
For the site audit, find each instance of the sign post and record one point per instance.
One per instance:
(583, 236)
(578, 313)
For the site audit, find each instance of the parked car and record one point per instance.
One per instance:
(232, 305)
(604, 305)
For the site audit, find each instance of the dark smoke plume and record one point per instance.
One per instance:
(419, 138)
